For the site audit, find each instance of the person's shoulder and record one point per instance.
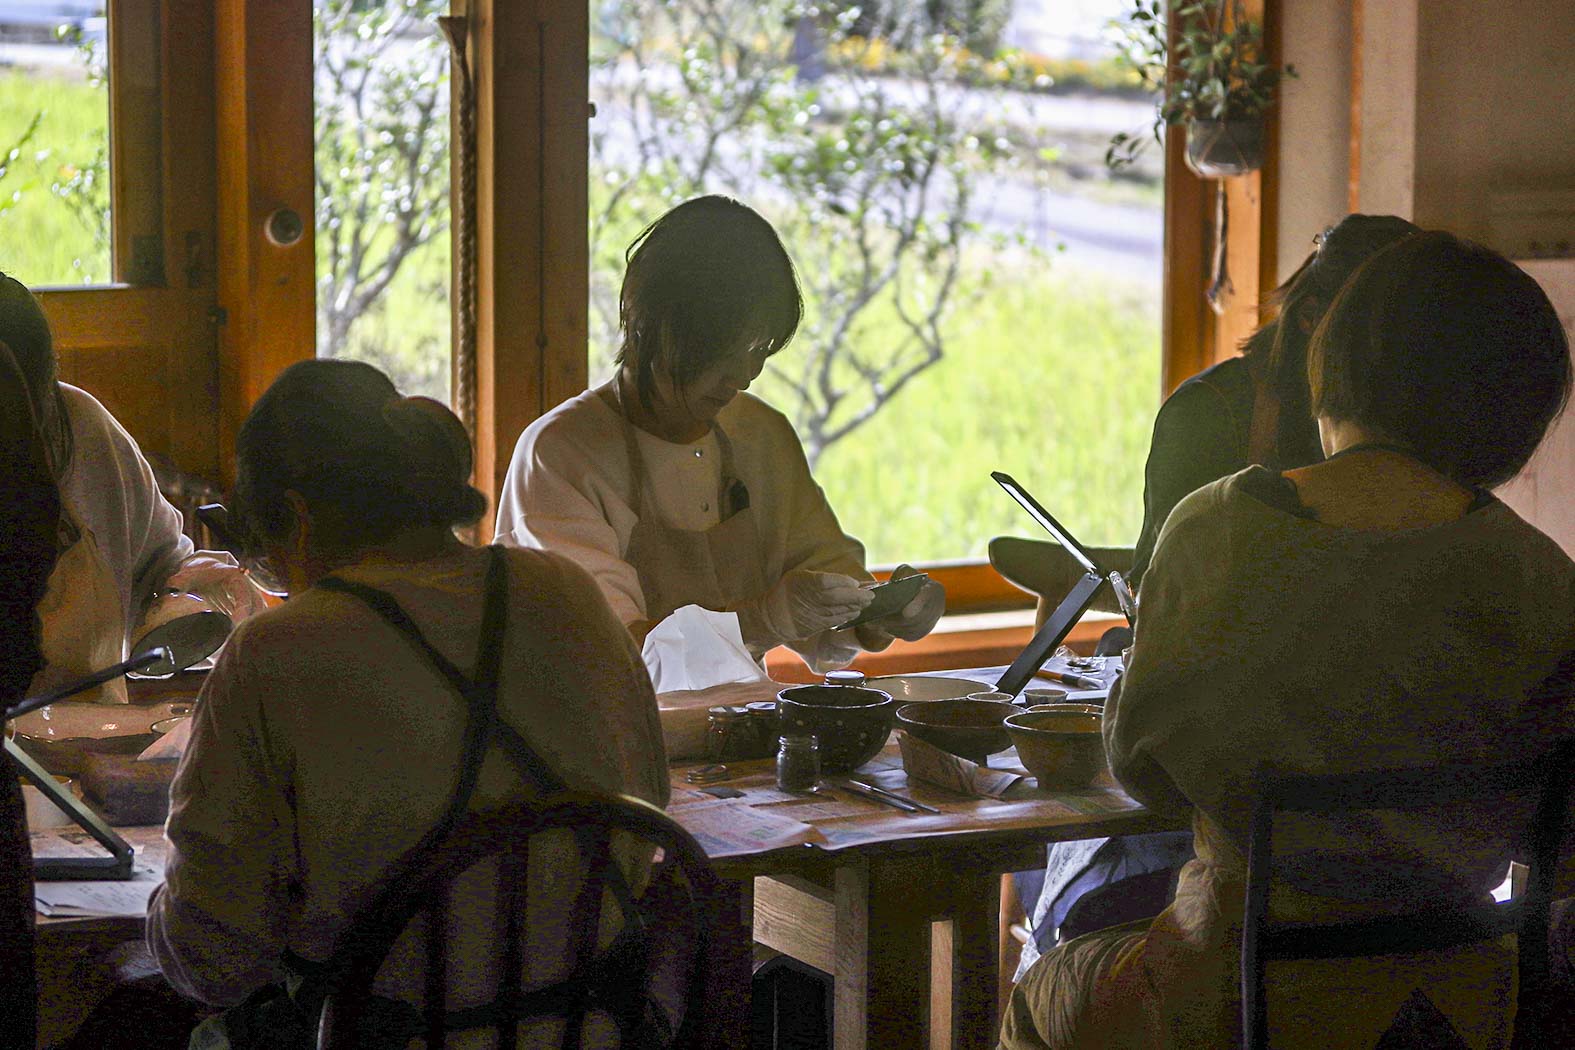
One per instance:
(1222, 387)
(88, 415)
(1524, 540)
(748, 414)
(1206, 506)
(574, 430)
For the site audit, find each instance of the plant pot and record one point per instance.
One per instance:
(1220, 149)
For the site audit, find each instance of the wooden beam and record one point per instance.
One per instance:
(267, 285)
(530, 60)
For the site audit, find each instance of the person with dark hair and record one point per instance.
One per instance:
(328, 740)
(1248, 409)
(673, 486)
(1334, 619)
(29, 517)
(1254, 408)
(120, 542)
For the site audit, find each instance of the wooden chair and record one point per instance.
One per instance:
(1430, 929)
(18, 985)
(614, 981)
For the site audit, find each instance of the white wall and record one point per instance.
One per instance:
(1315, 124)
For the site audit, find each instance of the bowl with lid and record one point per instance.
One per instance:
(1062, 749)
(851, 722)
(969, 728)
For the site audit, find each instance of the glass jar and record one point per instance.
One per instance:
(763, 726)
(798, 763)
(727, 733)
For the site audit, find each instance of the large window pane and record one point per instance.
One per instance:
(54, 142)
(981, 292)
(382, 98)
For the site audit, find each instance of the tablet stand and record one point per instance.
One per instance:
(1057, 626)
(60, 869)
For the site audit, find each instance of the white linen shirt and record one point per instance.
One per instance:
(111, 489)
(568, 490)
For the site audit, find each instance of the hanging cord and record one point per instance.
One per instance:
(455, 30)
(1219, 285)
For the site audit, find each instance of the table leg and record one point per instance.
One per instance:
(975, 961)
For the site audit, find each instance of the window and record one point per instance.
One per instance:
(382, 172)
(55, 143)
(981, 291)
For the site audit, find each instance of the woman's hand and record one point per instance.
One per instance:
(802, 604)
(914, 621)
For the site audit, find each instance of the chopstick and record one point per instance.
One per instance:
(891, 798)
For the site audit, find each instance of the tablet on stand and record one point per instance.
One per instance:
(1071, 609)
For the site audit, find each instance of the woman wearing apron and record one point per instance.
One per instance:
(120, 541)
(674, 487)
(410, 678)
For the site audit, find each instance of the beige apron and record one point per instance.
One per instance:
(716, 568)
(83, 618)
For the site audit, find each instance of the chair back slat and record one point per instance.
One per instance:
(1547, 777)
(436, 969)
(505, 835)
(513, 886)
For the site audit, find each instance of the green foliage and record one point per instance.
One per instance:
(57, 125)
(1218, 71)
(383, 187)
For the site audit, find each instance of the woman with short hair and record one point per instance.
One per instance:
(330, 739)
(1334, 619)
(671, 485)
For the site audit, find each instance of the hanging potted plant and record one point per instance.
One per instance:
(1217, 84)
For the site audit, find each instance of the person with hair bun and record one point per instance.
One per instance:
(330, 739)
(672, 485)
(1381, 609)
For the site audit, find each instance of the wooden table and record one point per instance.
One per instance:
(901, 909)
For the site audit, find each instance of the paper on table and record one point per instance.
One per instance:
(96, 898)
(929, 763)
(695, 648)
(727, 827)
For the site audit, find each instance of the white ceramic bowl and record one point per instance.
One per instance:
(909, 688)
(69, 721)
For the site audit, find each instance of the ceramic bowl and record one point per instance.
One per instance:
(61, 735)
(1063, 749)
(1086, 709)
(969, 728)
(908, 688)
(851, 722)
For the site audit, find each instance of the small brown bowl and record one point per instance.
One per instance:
(971, 729)
(1062, 749)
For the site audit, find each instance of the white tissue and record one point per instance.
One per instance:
(695, 648)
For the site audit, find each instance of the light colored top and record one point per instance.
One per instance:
(1266, 637)
(568, 490)
(111, 489)
(324, 747)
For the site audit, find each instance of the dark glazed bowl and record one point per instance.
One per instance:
(972, 729)
(851, 722)
(1062, 749)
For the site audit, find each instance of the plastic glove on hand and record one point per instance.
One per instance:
(804, 603)
(919, 616)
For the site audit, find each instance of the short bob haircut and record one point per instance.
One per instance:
(1448, 349)
(707, 279)
(368, 462)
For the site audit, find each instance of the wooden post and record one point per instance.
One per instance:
(530, 61)
(263, 83)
